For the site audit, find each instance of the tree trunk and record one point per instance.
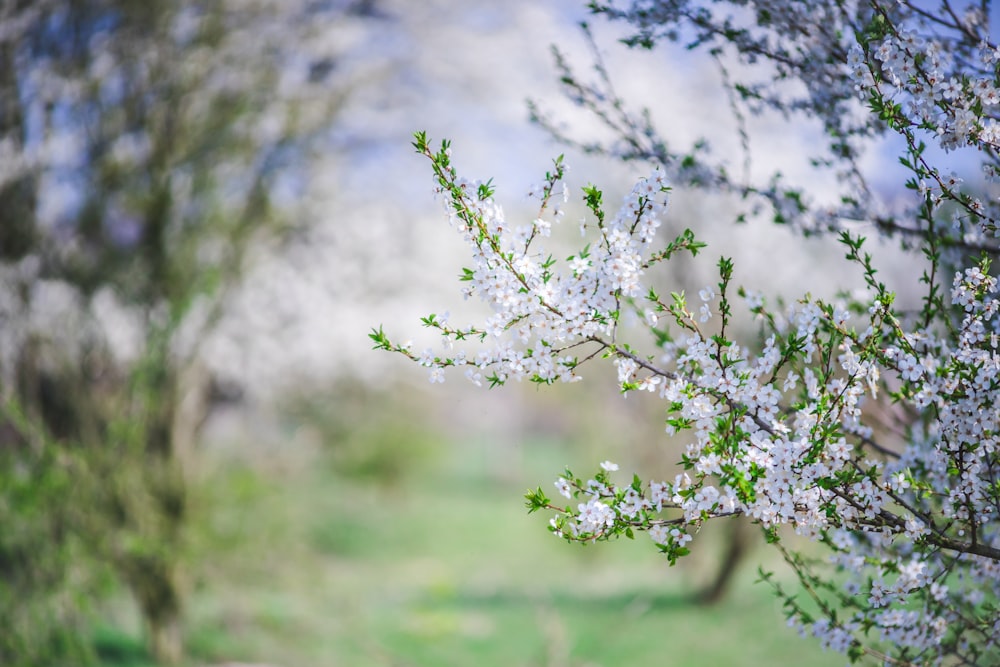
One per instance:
(164, 639)
(737, 544)
(154, 584)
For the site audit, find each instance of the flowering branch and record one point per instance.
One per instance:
(784, 430)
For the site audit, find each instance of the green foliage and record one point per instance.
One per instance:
(114, 648)
(46, 574)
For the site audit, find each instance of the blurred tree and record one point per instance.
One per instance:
(140, 146)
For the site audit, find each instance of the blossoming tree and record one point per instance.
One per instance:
(791, 430)
(140, 146)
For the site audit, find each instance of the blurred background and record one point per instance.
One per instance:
(205, 206)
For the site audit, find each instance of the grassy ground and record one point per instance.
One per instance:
(303, 557)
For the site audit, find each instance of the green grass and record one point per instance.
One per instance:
(294, 563)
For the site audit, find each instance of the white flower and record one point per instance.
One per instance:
(705, 313)
(659, 534)
(595, 516)
(680, 536)
(609, 466)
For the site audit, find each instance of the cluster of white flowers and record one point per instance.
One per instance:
(922, 71)
(784, 431)
(540, 314)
